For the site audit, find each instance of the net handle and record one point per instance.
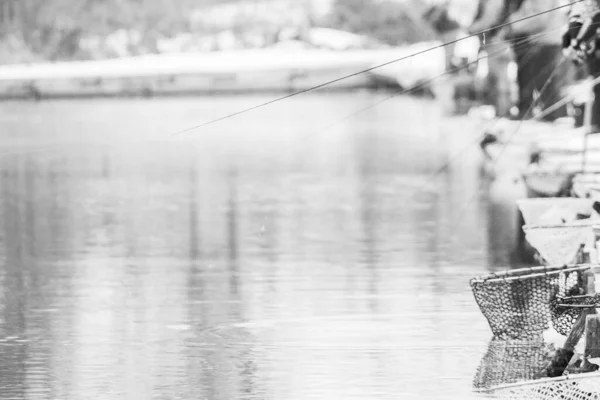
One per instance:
(580, 297)
(577, 305)
(533, 272)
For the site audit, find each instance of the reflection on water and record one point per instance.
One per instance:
(261, 258)
(511, 361)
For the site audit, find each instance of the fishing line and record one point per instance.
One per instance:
(401, 93)
(529, 37)
(404, 92)
(530, 109)
(460, 219)
(506, 144)
(527, 112)
(425, 83)
(542, 114)
(476, 140)
(458, 154)
(313, 88)
(563, 101)
(407, 91)
(422, 84)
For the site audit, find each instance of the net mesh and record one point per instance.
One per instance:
(510, 361)
(560, 244)
(577, 387)
(519, 304)
(523, 305)
(565, 311)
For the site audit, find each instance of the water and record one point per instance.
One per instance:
(264, 257)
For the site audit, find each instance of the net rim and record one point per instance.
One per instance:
(564, 378)
(578, 305)
(530, 272)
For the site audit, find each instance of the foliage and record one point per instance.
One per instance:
(54, 28)
(60, 29)
(391, 22)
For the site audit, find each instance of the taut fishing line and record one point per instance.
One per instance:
(469, 203)
(422, 85)
(537, 117)
(454, 157)
(313, 88)
(475, 141)
(348, 116)
(50, 147)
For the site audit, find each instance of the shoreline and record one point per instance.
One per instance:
(234, 72)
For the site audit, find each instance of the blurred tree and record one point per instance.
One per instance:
(391, 22)
(56, 29)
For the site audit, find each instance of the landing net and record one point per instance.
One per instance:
(519, 304)
(555, 210)
(560, 244)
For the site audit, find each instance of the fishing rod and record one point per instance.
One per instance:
(519, 43)
(403, 92)
(322, 85)
(537, 117)
(478, 139)
(431, 80)
(547, 111)
(533, 38)
(438, 170)
(489, 56)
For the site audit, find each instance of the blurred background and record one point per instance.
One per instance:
(317, 247)
(34, 30)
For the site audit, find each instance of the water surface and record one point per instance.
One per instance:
(290, 253)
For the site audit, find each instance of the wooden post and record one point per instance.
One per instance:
(592, 341)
